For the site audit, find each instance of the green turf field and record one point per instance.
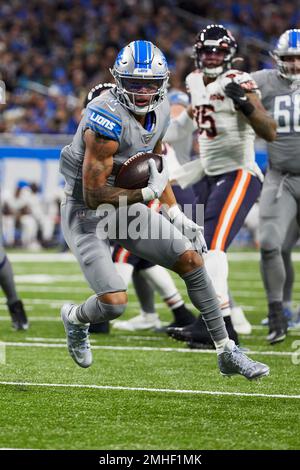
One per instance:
(144, 391)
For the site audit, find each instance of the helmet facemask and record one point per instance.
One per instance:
(287, 55)
(214, 40)
(288, 69)
(131, 90)
(203, 62)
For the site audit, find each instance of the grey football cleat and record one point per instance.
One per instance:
(77, 339)
(234, 361)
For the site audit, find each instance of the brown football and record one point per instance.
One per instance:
(134, 173)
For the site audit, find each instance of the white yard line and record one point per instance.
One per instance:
(40, 301)
(33, 319)
(53, 340)
(15, 448)
(142, 338)
(56, 303)
(69, 258)
(42, 258)
(54, 290)
(4, 307)
(142, 348)
(42, 278)
(253, 256)
(59, 302)
(128, 337)
(151, 390)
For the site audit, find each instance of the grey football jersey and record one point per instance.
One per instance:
(106, 116)
(283, 103)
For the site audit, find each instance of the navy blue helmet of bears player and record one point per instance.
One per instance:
(214, 50)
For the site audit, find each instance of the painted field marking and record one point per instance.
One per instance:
(151, 390)
(69, 258)
(142, 348)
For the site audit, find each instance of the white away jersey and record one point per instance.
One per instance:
(226, 139)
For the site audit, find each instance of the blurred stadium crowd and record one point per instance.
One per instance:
(52, 52)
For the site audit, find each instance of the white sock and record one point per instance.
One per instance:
(226, 312)
(125, 270)
(175, 301)
(148, 314)
(72, 317)
(216, 264)
(220, 345)
(161, 281)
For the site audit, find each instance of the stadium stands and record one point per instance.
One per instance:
(52, 52)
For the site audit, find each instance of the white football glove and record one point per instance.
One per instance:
(157, 181)
(188, 228)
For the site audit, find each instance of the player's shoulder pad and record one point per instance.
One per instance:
(103, 116)
(260, 76)
(244, 79)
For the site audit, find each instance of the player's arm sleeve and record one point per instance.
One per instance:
(179, 128)
(103, 122)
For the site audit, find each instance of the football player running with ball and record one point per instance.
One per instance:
(132, 118)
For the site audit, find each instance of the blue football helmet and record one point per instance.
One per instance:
(141, 74)
(288, 45)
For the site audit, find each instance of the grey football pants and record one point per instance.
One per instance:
(279, 212)
(158, 241)
(83, 234)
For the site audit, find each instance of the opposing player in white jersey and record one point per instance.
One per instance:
(280, 199)
(117, 125)
(228, 113)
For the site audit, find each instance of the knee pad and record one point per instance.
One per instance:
(111, 311)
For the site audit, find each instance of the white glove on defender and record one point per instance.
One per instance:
(188, 228)
(157, 181)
